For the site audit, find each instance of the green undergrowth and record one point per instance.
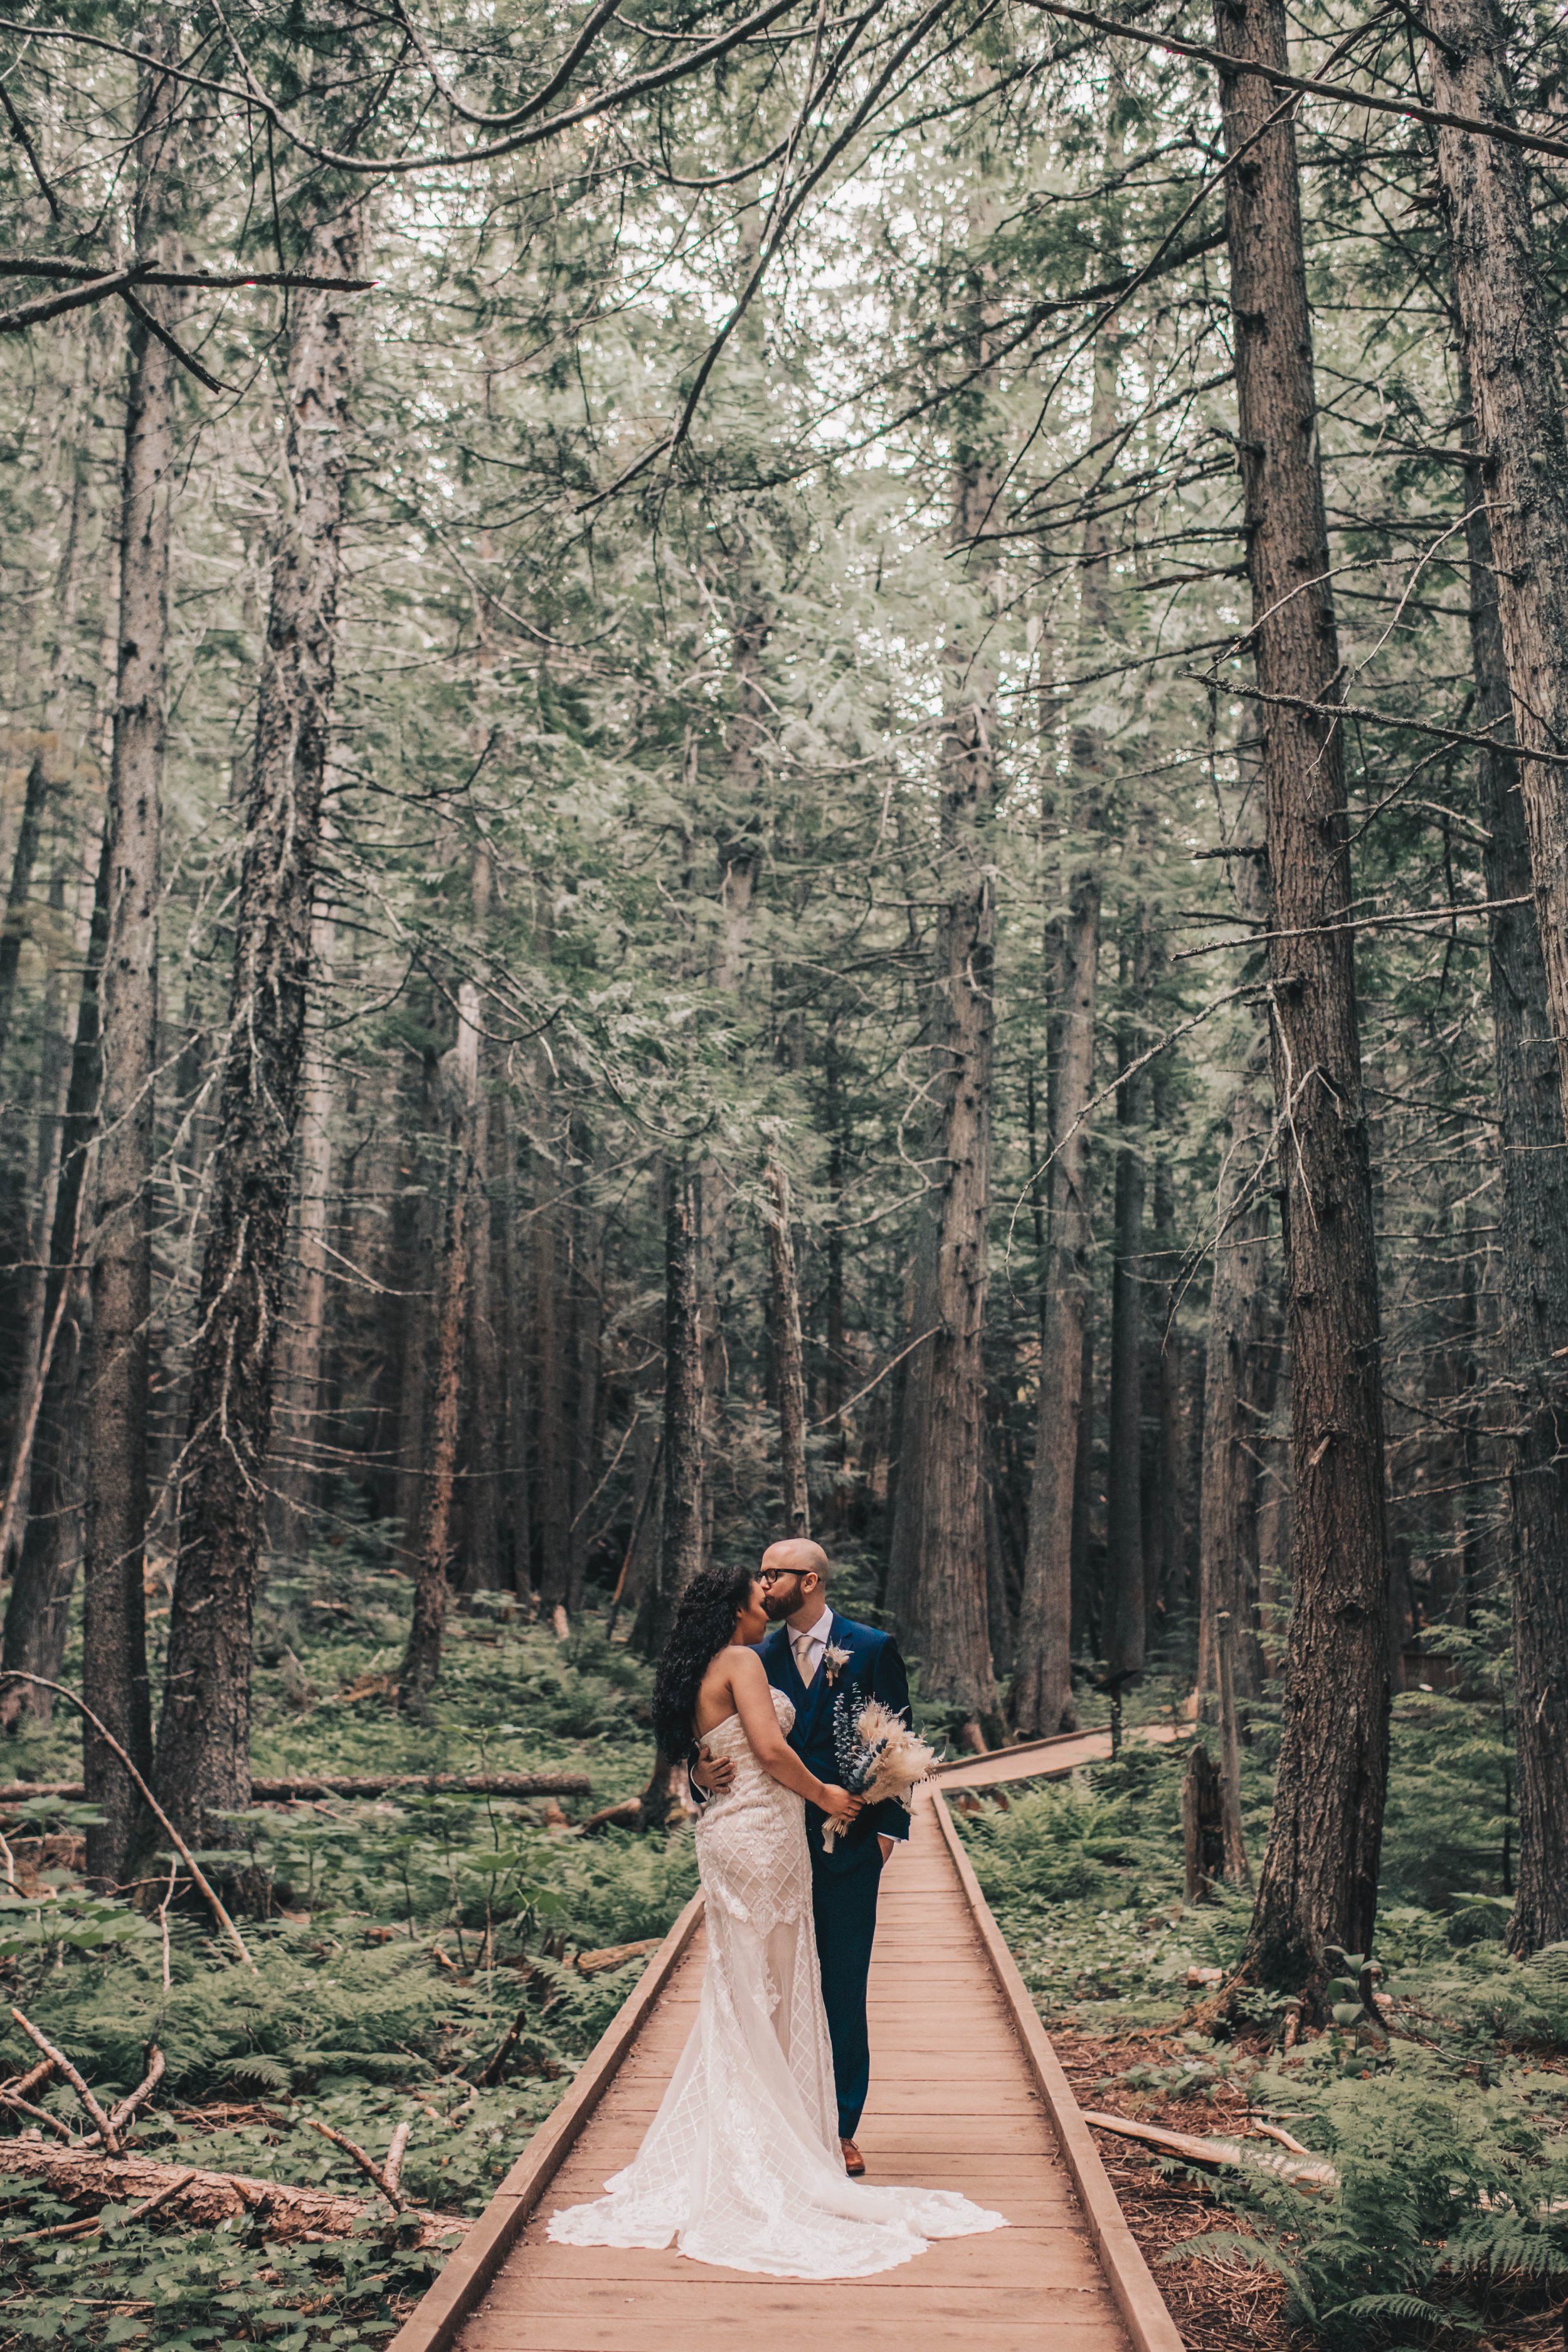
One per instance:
(1447, 2128)
(417, 1963)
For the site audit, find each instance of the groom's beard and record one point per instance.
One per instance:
(776, 1611)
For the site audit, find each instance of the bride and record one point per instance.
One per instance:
(742, 2165)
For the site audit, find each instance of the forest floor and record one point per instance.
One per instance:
(1447, 2126)
(435, 1968)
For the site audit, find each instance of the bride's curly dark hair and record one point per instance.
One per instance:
(704, 1625)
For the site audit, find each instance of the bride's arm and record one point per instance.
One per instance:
(749, 1689)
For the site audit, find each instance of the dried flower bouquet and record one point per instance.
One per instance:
(877, 1756)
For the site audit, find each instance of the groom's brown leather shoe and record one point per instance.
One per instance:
(854, 2162)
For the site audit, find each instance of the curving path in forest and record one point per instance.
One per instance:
(966, 2094)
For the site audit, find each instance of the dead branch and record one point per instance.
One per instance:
(625, 1815)
(38, 265)
(137, 2213)
(392, 2170)
(39, 2115)
(105, 2127)
(63, 1690)
(1311, 2171)
(144, 2091)
(367, 2164)
(615, 1956)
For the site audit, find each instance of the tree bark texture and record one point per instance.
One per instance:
(203, 1738)
(1233, 1377)
(680, 1556)
(1506, 334)
(416, 1225)
(38, 1606)
(422, 1657)
(1042, 1690)
(484, 1482)
(24, 858)
(937, 1580)
(789, 1359)
(1318, 1881)
(483, 1512)
(1059, 1489)
(294, 1477)
(1534, 1261)
(1125, 1613)
(114, 1638)
(588, 1384)
(551, 1331)
(1085, 1594)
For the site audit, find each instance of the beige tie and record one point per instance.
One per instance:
(806, 1657)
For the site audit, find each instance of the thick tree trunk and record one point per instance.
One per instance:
(40, 1329)
(294, 1478)
(834, 1354)
(680, 1555)
(484, 1504)
(485, 1375)
(1125, 1613)
(1042, 1689)
(516, 1528)
(422, 1657)
(588, 1384)
(551, 1328)
(38, 1608)
(1084, 1594)
(1319, 1882)
(24, 858)
(1233, 1385)
(114, 1638)
(1507, 335)
(1534, 1262)
(416, 1215)
(937, 1580)
(789, 1360)
(1059, 1489)
(204, 1735)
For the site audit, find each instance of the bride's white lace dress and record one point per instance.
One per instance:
(742, 2165)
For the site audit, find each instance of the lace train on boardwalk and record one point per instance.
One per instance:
(742, 2165)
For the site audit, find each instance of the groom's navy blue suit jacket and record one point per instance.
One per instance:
(874, 1670)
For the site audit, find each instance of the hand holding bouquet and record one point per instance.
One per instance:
(878, 1757)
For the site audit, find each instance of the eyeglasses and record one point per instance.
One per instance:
(777, 1575)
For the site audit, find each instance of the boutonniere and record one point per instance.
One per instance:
(832, 1659)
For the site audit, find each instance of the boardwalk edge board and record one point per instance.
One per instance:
(1142, 2307)
(434, 2323)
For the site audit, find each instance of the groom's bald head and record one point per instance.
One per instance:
(796, 1556)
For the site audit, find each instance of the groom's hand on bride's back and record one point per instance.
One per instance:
(713, 1774)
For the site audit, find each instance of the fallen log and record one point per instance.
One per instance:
(278, 2209)
(1311, 2171)
(616, 1955)
(379, 1784)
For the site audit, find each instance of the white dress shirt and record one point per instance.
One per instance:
(809, 1646)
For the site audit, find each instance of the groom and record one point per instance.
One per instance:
(817, 1658)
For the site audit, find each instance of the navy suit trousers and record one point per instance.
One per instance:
(843, 1907)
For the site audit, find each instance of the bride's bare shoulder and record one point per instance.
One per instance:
(744, 1667)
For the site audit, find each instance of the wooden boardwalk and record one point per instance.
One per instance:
(1056, 1759)
(966, 2094)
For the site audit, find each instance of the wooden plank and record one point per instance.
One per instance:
(521, 2331)
(438, 2314)
(1143, 2307)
